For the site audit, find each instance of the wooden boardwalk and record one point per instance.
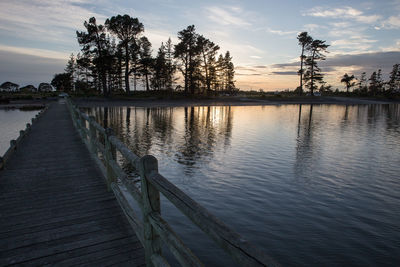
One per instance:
(54, 205)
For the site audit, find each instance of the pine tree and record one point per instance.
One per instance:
(304, 41)
(146, 61)
(394, 78)
(94, 42)
(208, 51)
(373, 83)
(313, 73)
(71, 70)
(126, 29)
(362, 84)
(229, 72)
(187, 52)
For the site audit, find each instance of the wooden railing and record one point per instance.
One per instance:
(152, 230)
(14, 143)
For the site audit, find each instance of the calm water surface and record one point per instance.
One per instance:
(311, 185)
(11, 122)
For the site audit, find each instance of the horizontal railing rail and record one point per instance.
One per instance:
(14, 143)
(152, 230)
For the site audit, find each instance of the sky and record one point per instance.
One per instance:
(38, 36)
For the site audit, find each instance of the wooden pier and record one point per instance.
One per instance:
(65, 200)
(55, 208)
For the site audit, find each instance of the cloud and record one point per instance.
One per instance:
(285, 73)
(43, 53)
(44, 19)
(311, 27)
(392, 22)
(279, 32)
(26, 69)
(256, 57)
(339, 64)
(358, 43)
(225, 16)
(345, 12)
(395, 47)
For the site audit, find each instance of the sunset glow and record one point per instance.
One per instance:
(38, 36)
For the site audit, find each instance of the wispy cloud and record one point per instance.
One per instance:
(340, 13)
(44, 19)
(227, 16)
(358, 43)
(394, 47)
(28, 69)
(311, 27)
(393, 22)
(43, 53)
(279, 32)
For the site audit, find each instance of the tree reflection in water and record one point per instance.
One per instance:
(188, 134)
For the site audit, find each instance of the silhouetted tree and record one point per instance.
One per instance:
(62, 82)
(379, 81)
(126, 29)
(159, 76)
(187, 52)
(146, 61)
(373, 83)
(71, 69)
(170, 65)
(208, 51)
(313, 73)
(229, 70)
(304, 41)
(348, 81)
(362, 83)
(394, 78)
(94, 42)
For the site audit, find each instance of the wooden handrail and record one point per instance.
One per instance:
(154, 230)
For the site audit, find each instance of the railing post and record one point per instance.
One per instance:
(151, 203)
(108, 157)
(92, 135)
(13, 144)
(82, 125)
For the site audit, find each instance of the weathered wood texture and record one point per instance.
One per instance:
(154, 230)
(55, 207)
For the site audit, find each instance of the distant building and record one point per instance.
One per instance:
(28, 88)
(9, 87)
(45, 87)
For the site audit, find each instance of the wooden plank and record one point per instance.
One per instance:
(54, 204)
(86, 251)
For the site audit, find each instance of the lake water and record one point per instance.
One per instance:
(11, 122)
(310, 185)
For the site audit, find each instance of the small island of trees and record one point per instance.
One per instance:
(116, 53)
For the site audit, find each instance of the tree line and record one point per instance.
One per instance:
(117, 52)
(313, 51)
(375, 85)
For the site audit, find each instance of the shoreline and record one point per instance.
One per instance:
(229, 101)
(188, 102)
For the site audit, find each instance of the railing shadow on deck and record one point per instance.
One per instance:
(153, 229)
